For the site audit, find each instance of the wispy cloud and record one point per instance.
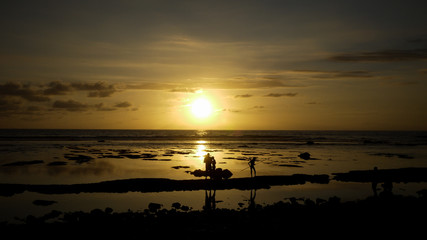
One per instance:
(186, 90)
(281, 95)
(43, 92)
(395, 55)
(76, 106)
(22, 91)
(98, 89)
(319, 74)
(57, 88)
(243, 96)
(124, 104)
(70, 105)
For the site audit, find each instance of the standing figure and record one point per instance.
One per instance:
(208, 162)
(213, 163)
(251, 164)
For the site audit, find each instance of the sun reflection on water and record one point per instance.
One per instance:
(200, 150)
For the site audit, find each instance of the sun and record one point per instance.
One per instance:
(201, 108)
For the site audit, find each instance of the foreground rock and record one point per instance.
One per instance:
(392, 216)
(383, 175)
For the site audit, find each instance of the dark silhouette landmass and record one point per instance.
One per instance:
(383, 175)
(258, 182)
(23, 163)
(380, 217)
(163, 184)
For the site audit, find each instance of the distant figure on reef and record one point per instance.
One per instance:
(251, 164)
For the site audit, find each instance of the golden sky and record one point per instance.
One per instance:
(307, 65)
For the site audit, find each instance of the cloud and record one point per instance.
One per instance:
(317, 74)
(395, 55)
(57, 88)
(281, 95)
(101, 107)
(154, 86)
(243, 96)
(232, 110)
(75, 106)
(123, 105)
(98, 89)
(34, 109)
(70, 105)
(7, 105)
(258, 107)
(22, 91)
(42, 93)
(186, 90)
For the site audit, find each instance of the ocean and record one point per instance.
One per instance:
(62, 156)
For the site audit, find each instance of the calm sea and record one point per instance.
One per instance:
(319, 137)
(59, 156)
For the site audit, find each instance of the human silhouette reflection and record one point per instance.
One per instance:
(209, 200)
(375, 181)
(387, 189)
(252, 203)
(387, 184)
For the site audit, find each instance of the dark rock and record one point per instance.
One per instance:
(43, 202)
(23, 163)
(305, 156)
(217, 174)
(383, 175)
(57, 163)
(78, 158)
(289, 165)
(108, 210)
(178, 167)
(176, 205)
(154, 207)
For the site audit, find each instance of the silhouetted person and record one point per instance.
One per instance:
(213, 163)
(375, 181)
(208, 163)
(251, 164)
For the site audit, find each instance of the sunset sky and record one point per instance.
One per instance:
(293, 65)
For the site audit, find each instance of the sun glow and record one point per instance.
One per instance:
(201, 108)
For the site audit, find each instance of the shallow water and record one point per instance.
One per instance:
(81, 156)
